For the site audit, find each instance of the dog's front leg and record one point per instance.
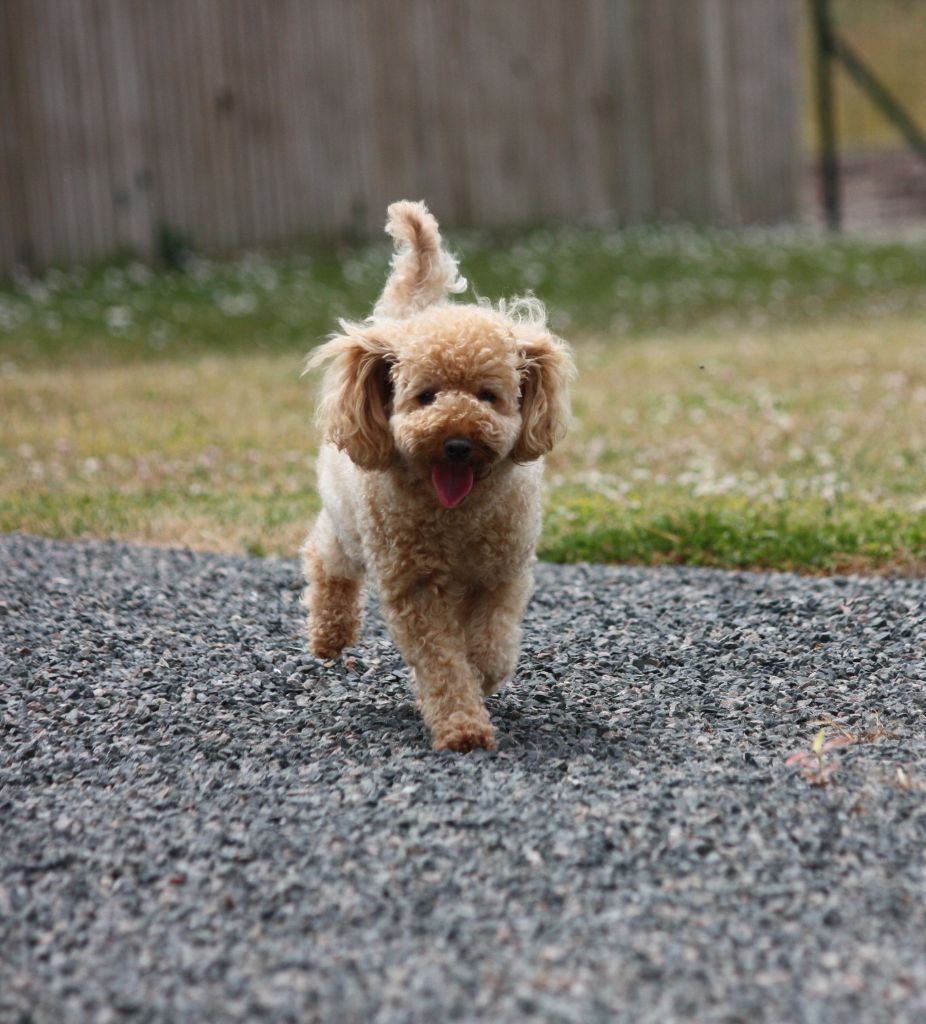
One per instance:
(493, 628)
(425, 622)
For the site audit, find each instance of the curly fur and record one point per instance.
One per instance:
(453, 581)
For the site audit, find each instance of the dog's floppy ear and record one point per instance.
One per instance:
(356, 394)
(546, 371)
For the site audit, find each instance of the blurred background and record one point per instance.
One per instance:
(202, 184)
(230, 124)
(133, 126)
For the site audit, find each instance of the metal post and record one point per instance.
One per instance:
(826, 114)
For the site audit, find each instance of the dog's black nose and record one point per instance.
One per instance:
(458, 449)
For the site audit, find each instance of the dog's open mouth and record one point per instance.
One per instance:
(452, 481)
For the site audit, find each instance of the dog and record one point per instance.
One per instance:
(435, 415)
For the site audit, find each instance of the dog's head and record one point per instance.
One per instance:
(448, 392)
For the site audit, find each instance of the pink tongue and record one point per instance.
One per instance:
(452, 481)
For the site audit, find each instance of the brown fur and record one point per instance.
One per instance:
(453, 582)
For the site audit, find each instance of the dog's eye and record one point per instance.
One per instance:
(427, 397)
(487, 396)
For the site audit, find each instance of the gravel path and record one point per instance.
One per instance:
(201, 822)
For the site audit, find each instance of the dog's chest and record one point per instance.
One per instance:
(475, 543)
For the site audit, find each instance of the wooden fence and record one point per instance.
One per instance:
(242, 123)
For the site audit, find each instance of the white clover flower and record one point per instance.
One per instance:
(237, 305)
(118, 317)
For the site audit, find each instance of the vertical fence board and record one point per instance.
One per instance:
(762, 111)
(14, 233)
(168, 124)
(126, 130)
(633, 191)
(714, 28)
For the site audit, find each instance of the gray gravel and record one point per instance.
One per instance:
(201, 822)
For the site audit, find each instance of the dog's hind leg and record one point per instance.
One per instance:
(333, 597)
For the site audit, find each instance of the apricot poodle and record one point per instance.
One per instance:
(435, 415)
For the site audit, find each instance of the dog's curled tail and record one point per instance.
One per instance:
(423, 272)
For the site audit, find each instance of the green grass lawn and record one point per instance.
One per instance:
(626, 284)
(747, 401)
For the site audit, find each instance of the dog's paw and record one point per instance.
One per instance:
(462, 732)
(326, 650)
(329, 640)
